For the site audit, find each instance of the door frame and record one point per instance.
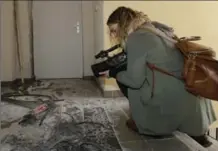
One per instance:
(87, 15)
(88, 34)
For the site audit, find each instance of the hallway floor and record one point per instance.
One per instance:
(84, 119)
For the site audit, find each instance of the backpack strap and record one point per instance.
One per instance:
(152, 66)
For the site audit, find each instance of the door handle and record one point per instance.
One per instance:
(77, 26)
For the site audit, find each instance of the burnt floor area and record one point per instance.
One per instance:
(78, 118)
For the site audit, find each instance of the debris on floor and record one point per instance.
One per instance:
(59, 127)
(71, 115)
(67, 136)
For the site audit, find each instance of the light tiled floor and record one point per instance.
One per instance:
(83, 101)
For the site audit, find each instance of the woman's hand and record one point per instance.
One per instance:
(113, 71)
(105, 73)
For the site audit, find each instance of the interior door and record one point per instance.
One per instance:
(58, 39)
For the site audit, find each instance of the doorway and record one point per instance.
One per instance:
(58, 45)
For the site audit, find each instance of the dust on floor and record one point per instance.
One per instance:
(83, 121)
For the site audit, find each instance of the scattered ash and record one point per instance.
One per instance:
(69, 127)
(67, 136)
(16, 143)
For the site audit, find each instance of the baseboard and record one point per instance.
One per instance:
(112, 93)
(89, 78)
(31, 80)
(108, 93)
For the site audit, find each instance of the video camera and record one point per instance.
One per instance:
(114, 61)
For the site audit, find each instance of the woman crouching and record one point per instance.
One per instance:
(166, 107)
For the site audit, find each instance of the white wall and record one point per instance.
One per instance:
(8, 69)
(98, 26)
(187, 17)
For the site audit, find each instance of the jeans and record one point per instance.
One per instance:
(123, 88)
(113, 72)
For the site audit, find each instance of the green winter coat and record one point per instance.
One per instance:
(171, 108)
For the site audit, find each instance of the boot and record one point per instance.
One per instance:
(202, 140)
(131, 125)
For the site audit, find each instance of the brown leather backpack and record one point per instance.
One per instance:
(200, 72)
(200, 69)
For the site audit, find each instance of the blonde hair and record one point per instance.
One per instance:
(128, 20)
